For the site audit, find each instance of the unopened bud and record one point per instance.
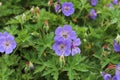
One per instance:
(35, 34)
(0, 3)
(46, 26)
(50, 2)
(74, 20)
(84, 40)
(23, 17)
(31, 66)
(62, 60)
(46, 22)
(37, 10)
(32, 10)
(118, 39)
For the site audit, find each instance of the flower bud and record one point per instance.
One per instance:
(0, 3)
(32, 10)
(62, 60)
(118, 39)
(37, 10)
(50, 2)
(31, 66)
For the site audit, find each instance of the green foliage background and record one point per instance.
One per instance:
(34, 34)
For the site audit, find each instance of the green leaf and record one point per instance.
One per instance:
(55, 74)
(70, 74)
(39, 69)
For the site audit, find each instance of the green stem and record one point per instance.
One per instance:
(21, 26)
(15, 49)
(49, 9)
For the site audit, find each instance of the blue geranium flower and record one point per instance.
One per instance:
(62, 48)
(64, 33)
(7, 43)
(67, 8)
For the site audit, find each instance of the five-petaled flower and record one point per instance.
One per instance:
(7, 43)
(62, 48)
(67, 8)
(64, 33)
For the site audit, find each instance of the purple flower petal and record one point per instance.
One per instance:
(107, 77)
(114, 78)
(2, 49)
(58, 30)
(75, 51)
(8, 50)
(75, 43)
(67, 27)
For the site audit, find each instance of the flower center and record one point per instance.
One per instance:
(62, 46)
(118, 68)
(7, 43)
(67, 8)
(64, 34)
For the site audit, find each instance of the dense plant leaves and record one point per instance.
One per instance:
(33, 24)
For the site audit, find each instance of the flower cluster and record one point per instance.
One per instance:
(67, 8)
(66, 42)
(7, 43)
(117, 44)
(107, 76)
